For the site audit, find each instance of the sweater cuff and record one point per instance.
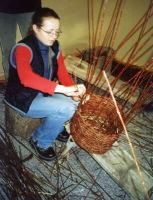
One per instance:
(53, 88)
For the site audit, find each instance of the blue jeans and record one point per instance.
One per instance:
(55, 111)
(8, 26)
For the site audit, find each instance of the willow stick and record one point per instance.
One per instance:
(126, 133)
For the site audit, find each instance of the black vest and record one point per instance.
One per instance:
(16, 94)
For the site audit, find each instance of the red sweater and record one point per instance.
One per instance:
(32, 80)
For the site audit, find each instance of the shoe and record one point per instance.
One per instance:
(45, 154)
(63, 136)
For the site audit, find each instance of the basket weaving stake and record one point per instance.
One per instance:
(126, 133)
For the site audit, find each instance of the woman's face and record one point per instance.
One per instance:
(49, 31)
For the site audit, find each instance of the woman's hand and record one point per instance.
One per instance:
(76, 98)
(81, 90)
(74, 90)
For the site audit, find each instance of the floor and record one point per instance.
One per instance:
(75, 175)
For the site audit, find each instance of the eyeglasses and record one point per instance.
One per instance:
(52, 32)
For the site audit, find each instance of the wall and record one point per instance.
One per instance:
(74, 19)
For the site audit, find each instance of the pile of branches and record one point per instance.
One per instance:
(16, 182)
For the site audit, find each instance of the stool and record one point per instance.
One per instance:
(19, 125)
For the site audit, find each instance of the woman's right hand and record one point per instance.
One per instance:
(74, 90)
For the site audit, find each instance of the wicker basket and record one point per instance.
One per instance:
(96, 125)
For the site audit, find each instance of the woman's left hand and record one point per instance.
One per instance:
(76, 98)
(81, 90)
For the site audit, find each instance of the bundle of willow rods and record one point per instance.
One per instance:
(96, 125)
(16, 182)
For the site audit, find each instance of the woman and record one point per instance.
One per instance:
(39, 85)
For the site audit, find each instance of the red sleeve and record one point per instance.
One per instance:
(63, 76)
(26, 75)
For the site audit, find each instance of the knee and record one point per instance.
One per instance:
(68, 111)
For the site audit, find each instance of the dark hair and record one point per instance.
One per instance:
(39, 16)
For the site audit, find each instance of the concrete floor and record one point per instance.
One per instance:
(75, 176)
(80, 175)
